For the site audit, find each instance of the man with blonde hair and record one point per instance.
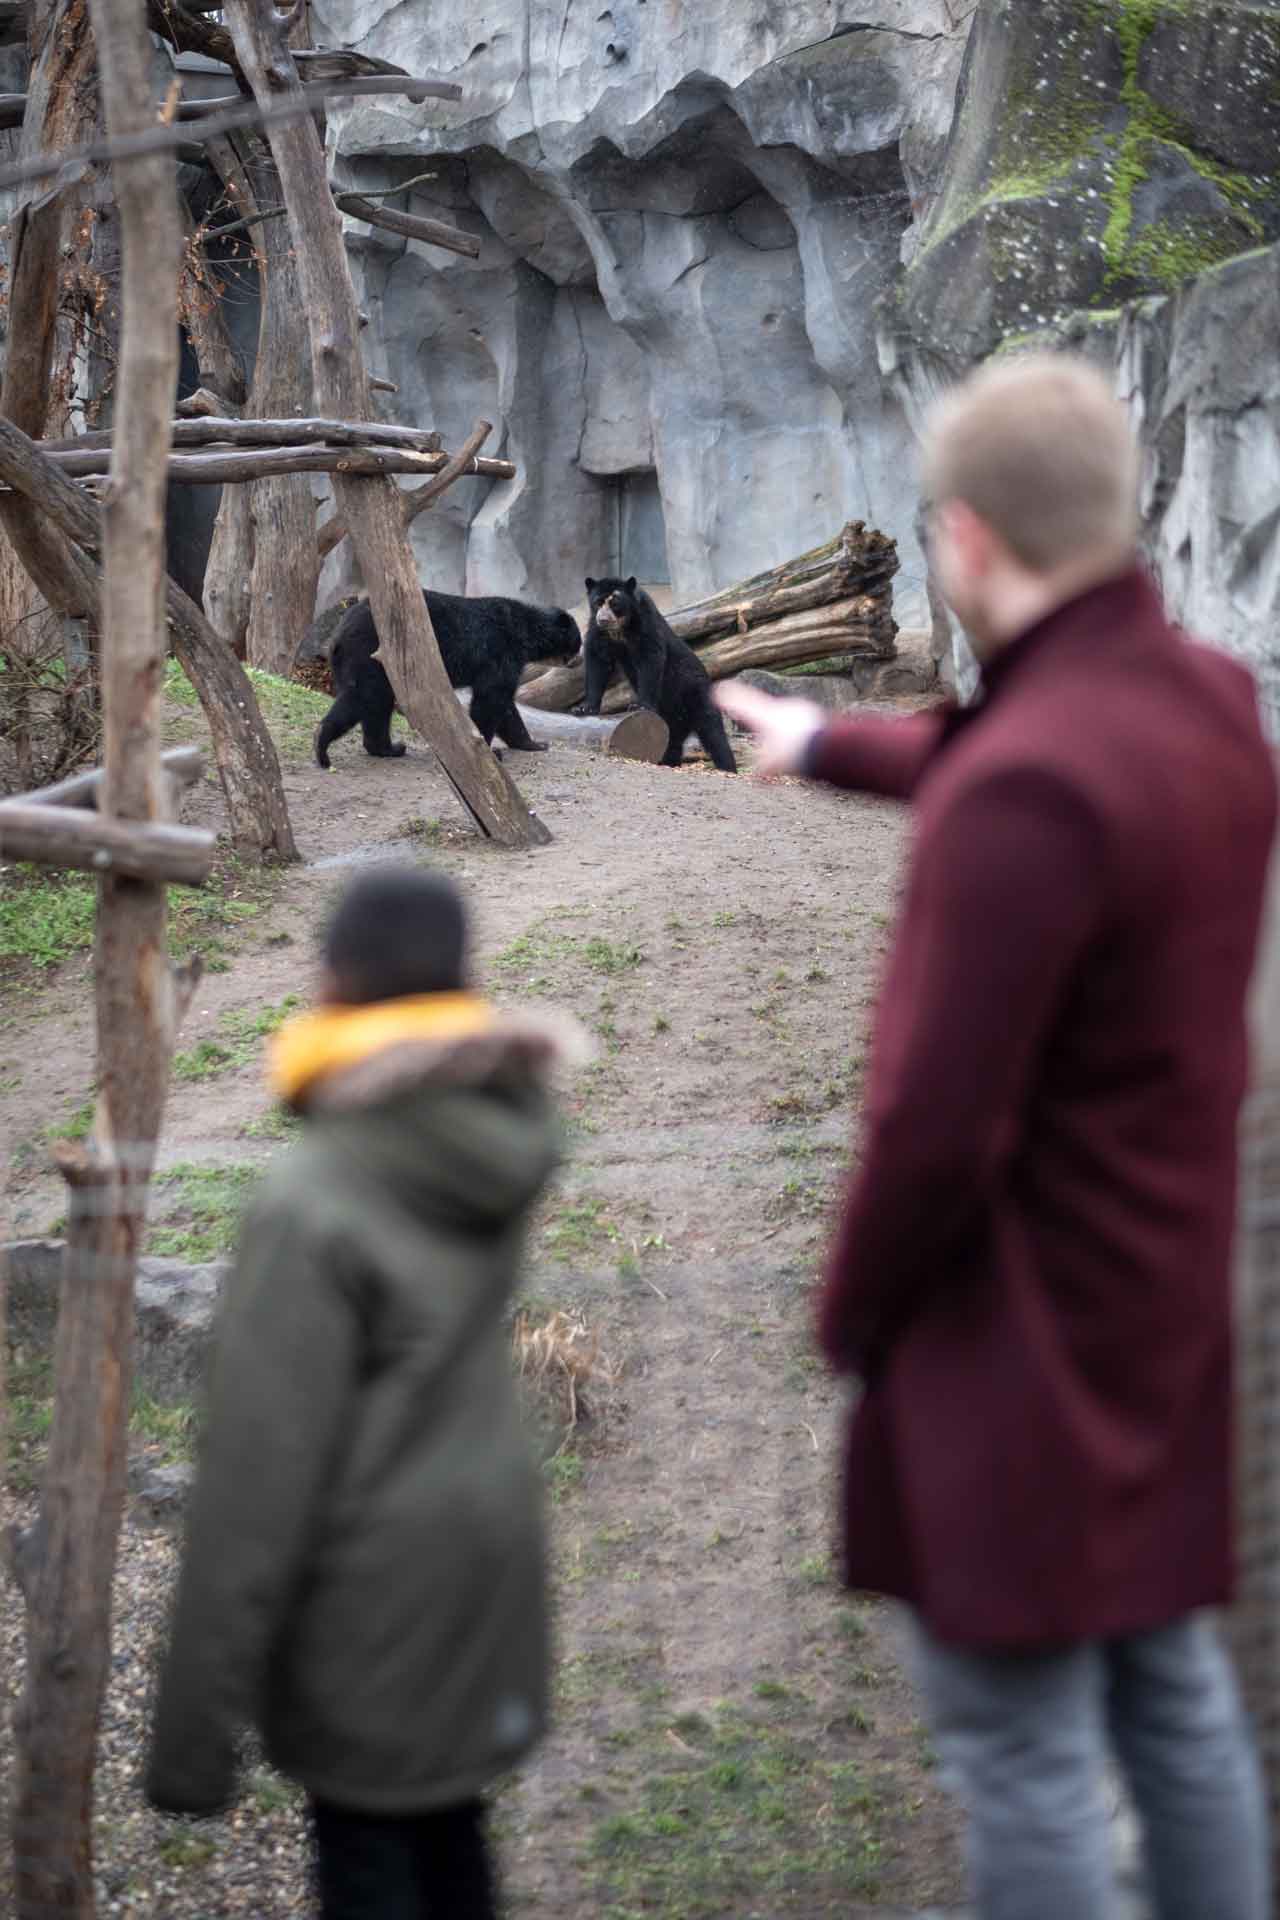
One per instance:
(1032, 1277)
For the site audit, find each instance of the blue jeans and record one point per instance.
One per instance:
(1025, 1737)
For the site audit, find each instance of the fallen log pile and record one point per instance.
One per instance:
(836, 600)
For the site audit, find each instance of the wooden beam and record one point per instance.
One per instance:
(71, 836)
(239, 431)
(218, 468)
(412, 226)
(182, 766)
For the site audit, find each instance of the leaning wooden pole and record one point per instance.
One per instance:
(370, 506)
(67, 1563)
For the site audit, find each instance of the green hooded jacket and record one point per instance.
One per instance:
(364, 1577)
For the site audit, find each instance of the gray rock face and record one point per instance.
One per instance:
(1203, 379)
(686, 216)
(1110, 176)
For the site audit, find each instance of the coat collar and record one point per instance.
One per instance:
(344, 1057)
(1120, 612)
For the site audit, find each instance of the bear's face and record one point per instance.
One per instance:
(613, 602)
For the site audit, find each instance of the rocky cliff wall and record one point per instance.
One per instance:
(687, 216)
(1112, 185)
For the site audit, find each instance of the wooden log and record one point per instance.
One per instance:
(858, 560)
(216, 469)
(241, 431)
(411, 225)
(63, 836)
(856, 563)
(845, 627)
(641, 735)
(182, 767)
(416, 500)
(370, 505)
(205, 403)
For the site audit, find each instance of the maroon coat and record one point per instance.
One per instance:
(1033, 1272)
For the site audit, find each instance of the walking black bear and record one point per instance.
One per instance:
(627, 631)
(485, 645)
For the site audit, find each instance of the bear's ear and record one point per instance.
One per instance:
(631, 584)
(590, 584)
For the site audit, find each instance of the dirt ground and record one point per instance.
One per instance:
(734, 1735)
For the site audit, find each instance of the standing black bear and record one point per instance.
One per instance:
(485, 645)
(627, 631)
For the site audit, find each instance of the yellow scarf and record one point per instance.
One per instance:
(333, 1038)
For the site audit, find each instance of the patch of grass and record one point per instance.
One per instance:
(564, 1472)
(815, 1570)
(76, 1126)
(269, 1793)
(737, 1816)
(581, 1229)
(278, 1124)
(197, 1210)
(207, 920)
(726, 917)
(851, 1624)
(45, 917)
(171, 1428)
(661, 1024)
(605, 956)
(186, 1849)
(416, 828)
(238, 1043)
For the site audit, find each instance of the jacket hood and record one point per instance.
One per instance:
(442, 1097)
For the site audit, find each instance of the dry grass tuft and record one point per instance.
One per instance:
(558, 1357)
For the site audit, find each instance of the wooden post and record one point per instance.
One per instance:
(66, 1568)
(1255, 1624)
(369, 506)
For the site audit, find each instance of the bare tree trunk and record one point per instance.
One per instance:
(273, 528)
(61, 112)
(228, 571)
(68, 1581)
(370, 506)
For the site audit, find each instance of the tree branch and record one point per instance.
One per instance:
(165, 139)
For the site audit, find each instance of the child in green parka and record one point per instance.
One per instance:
(364, 1578)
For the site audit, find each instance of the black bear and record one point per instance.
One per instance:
(627, 631)
(485, 645)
